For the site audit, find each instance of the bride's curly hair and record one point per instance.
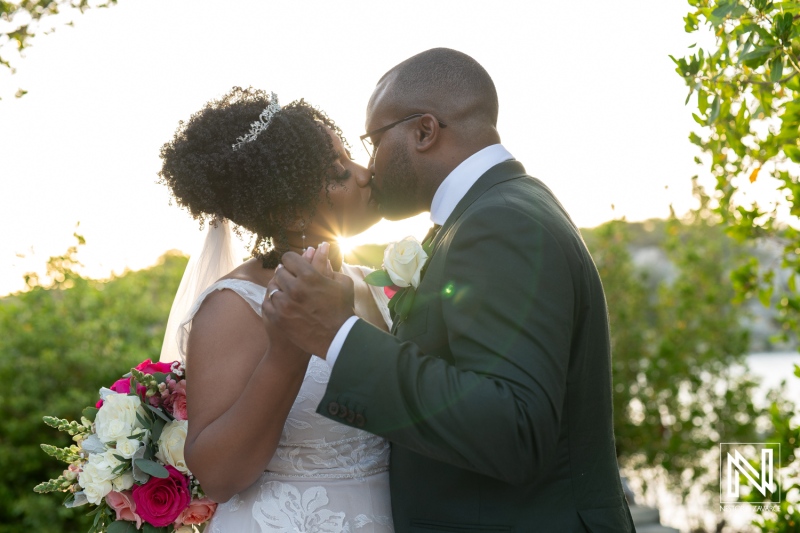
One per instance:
(264, 185)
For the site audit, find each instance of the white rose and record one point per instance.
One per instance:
(170, 445)
(95, 492)
(127, 447)
(97, 469)
(95, 479)
(116, 419)
(403, 261)
(123, 482)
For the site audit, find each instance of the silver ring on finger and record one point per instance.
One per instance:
(272, 293)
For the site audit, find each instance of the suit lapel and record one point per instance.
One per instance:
(507, 170)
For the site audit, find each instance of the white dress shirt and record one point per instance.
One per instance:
(450, 192)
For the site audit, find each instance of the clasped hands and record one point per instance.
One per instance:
(307, 302)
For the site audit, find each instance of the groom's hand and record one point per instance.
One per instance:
(311, 303)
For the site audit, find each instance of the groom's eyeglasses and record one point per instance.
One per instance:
(371, 148)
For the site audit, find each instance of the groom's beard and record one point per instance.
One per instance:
(400, 187)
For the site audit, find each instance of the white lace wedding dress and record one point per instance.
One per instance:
(325, 477)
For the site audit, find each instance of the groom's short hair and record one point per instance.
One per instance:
(446, 76)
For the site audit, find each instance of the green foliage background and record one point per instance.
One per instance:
(58, 345)
(744, 91)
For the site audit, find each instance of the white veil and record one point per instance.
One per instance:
(216, 258)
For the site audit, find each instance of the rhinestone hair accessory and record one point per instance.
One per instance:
(261, 124)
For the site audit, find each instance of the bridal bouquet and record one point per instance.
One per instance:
(127, 461)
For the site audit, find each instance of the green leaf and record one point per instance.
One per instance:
(738, 11)
(792, 152)
(144, 421)
(158, 427)
(765, 296)
(756, 53)
(148, 528)
(122, 526)
(714, 110)
(152, 468)
(776, 72)
(723, 10)
(379, 278)
(90, 413)
(159, 413)
(404, 303)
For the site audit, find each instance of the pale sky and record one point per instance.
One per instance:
(589, 103)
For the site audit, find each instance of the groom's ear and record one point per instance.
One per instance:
(427, 132)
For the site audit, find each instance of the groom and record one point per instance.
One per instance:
(495, 389)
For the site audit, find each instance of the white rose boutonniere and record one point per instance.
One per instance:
(403, 264)
(403, 261)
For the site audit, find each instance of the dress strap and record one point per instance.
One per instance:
(252, 293)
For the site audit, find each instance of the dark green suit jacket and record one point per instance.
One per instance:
(496, 390)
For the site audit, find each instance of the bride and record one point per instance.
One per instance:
(255, 441)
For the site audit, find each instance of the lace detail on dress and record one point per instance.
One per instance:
(281, 507)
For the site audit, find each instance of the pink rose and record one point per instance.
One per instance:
(198, 512)
(177, 399)
(160, 501)
(123, 505)
(149, 367)
(122, 386)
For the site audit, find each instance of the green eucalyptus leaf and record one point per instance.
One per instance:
(159, 413)
(149, 528)
(144, 421)
(122, 526)
(152, 468)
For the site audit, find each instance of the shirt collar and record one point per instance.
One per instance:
(462, 178)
